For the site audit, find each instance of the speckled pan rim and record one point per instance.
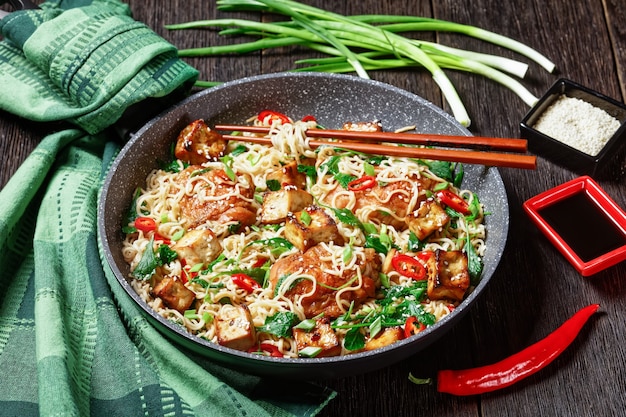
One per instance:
(486, 181)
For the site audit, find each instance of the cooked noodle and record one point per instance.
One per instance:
(214, 289)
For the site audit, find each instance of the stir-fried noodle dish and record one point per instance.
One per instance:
(283, 250)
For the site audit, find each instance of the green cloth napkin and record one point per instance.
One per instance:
(72, 343)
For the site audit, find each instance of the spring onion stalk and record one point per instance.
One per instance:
(242, 48)
(379, 43)
(338, 65)
(415, 24)
(285, 9)
(511, 66)
(453, 60)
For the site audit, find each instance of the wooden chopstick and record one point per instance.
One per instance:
(503, 144)
(451, 155)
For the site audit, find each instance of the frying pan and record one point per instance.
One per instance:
(333, 99)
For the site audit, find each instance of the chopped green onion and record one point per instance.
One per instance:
(441, 186)
(305, 218)
(369, 169)
(306, 325)
(253, 159)
(191, 314)
(310, 351)
(207, 317)
(384, 280)
(376, 326)
(370, 228)
(347, 253)
(227, 160)
(419, 381)
(178, 235)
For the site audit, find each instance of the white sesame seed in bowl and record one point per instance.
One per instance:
(578, 124)
(575, 127)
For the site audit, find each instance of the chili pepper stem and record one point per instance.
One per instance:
(518, 366)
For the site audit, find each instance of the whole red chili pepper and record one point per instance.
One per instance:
(518, 366)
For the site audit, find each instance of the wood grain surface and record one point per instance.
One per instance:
(535, 289)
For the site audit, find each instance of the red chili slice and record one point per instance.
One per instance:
(259, 262)
(409, 267)
(145, 224)
(412, 326)
(426, 255)
(362, 183)
(163, 239)
(266, 348)
(274, 115)
(309, 118)
(245, 282)
(453, 201)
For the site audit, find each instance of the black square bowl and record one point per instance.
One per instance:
(563, 154)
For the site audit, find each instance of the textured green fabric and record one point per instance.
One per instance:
(85, 65)
(72, 343)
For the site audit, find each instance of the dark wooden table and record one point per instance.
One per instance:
(535, 289)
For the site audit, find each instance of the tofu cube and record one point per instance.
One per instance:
(289, 175)
(386, 337)
(197, 144)
(428, 218)
(234, 327)
(174, 294)
(321, 336)
(452, 278)
(198, 246)
(278, 204)
(320, 228)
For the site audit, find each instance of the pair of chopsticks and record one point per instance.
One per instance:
(366, 142)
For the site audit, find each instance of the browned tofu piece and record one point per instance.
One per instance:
(374, 126)
(198, 246)
(197, 144)
(386, 337)
(234, 327)
(278, 204)
(289, 175)
(452, 278)
(174, 294)
(321, 228)
(321, 336)
(428, 218)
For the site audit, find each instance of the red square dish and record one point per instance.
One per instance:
(583, 222)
